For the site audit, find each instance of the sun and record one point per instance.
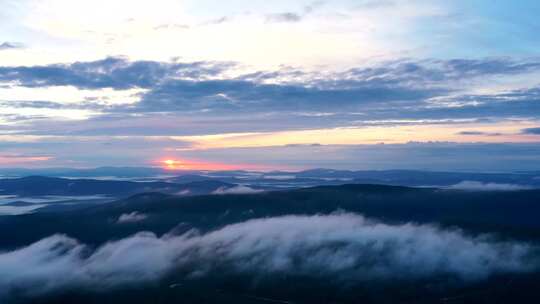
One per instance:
(173, 164)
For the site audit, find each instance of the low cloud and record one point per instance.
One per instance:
(479, 186)
(184, 192)
(132, 217)
(236, 190)
(339, 246)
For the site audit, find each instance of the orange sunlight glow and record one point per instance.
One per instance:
(17, 160)
(184, 164)
(172, 164)
(509, 132)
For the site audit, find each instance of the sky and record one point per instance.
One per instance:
(270, 85)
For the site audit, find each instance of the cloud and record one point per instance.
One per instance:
(419, 89)
(236, 190)
(72, 151)
(436, 71)
(373, 4)
(533, 131)
(10, 46)
(201, 98)
(220, 20)
(292, 17)
(184, 192)
(19, 159)
(132, 217)
(248, 96)
(283, 17)
(339, 246)
(35, 104)
(479, 133)
(111, 72)
(479, 186)
(314, 6)
(172, 26)
(441, 156)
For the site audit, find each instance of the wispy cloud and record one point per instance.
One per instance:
(283, 17)
(10, 46)
(19, 160)
(236, 190)
(172, 26)
(112, 72)
(479, 133)
(132, 217)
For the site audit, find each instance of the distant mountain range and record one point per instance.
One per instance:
(283, 179)
(42, 186)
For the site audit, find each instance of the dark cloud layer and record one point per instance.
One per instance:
(203, 97)
(112, 72)
(178, 95)
(433, 71)
(405, 84)
(340, 246)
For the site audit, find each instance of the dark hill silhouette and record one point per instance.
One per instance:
(39, 186)
(508, 213)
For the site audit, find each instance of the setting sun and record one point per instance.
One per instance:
(173, 164)
(185, 164)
